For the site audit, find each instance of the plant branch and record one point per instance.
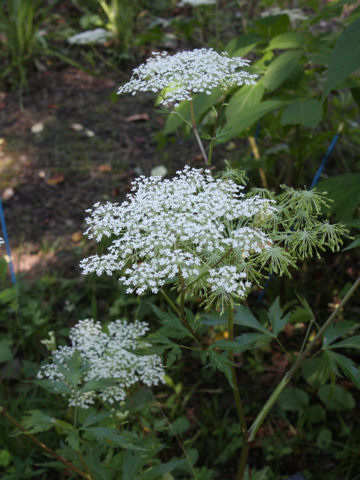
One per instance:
(238, 402)
(43, 445)
(182, 314)
(300, 360)
(197, 136)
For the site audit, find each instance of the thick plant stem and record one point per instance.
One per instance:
(42, 445)
(197, 136)
(299, 361)
(238, 402)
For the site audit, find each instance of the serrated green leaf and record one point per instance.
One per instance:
(354, 244)
(245, 318)
(110, 436)
(293, 399)
(336, 398)
(286, 41)
(352, 342)
(94, 418)
(347, 366)
(316, 371)
(281, 69)
(247, 341)
(277, 321)
(221, 362)
(54, 386)
(36, 421)
(337, 330)
(96, 384)
(345, 58)
(304, 112)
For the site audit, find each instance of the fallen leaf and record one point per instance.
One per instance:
(37, 127)
(137, 117)
(76, 236)
(104, 168)
(77, 127)
(8, 193)
(55, 179)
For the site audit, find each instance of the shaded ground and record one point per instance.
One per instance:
(90, 148)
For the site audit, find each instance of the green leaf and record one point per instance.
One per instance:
(306, 112)
(337, 330)
(293, 399)
(247, 341)
(324, 439)
(345, 58)
(179, 426)
(272, 25)
(94, 418)
(336, 398)
(247, 96)
(352, 342)
(281, 69)
(314, 413)
(316, 371)
(348, 367)
(245, 318)
(5, 351)
(277, 321)
(202, 102)
(354, 244)
(36, 421)
(220, 361)
(240, 46)
(96, 384)
(237, 124)
(157, 472)
(54, 386)
(286, 41)
(344, 190)
(110, 436)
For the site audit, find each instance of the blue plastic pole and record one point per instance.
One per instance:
(7, 244)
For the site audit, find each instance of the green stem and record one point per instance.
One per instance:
(43, 445)
(300, 360)
(238, 402)
(182, 314)
(170, 302)
(196, 133)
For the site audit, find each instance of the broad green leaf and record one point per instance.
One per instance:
(240, 46)
(93, 417)
(324, 439)
(337, 330)
(5, 352)
(314, 413)
(220, 361)
(108, 436)
(277, 321)
(245, 318)
(336, 398)
(347, 366)
(316, 371)
(202, 102)
(345, 58)
(238, 123)
(281, 69)
(344, 190)
(54, 386)
(247, 96)
(307, 112)
(286, 41)
(352, 342)
(273, 25)
(179, 426)
(293, 399)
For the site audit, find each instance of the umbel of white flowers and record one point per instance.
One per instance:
(104, 356)
(178, 77)
(204, 234)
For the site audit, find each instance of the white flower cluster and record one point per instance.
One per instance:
(178, 77)
(105, 355)
(184, 225)
(196, 3)
(294, 14)
(1, 241)
(98, 35)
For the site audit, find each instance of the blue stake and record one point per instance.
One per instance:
(7, 244)
(313, 183)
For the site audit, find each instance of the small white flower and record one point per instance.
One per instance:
(98, 35)
(178, 77)
(105, 355)
(1, 241)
